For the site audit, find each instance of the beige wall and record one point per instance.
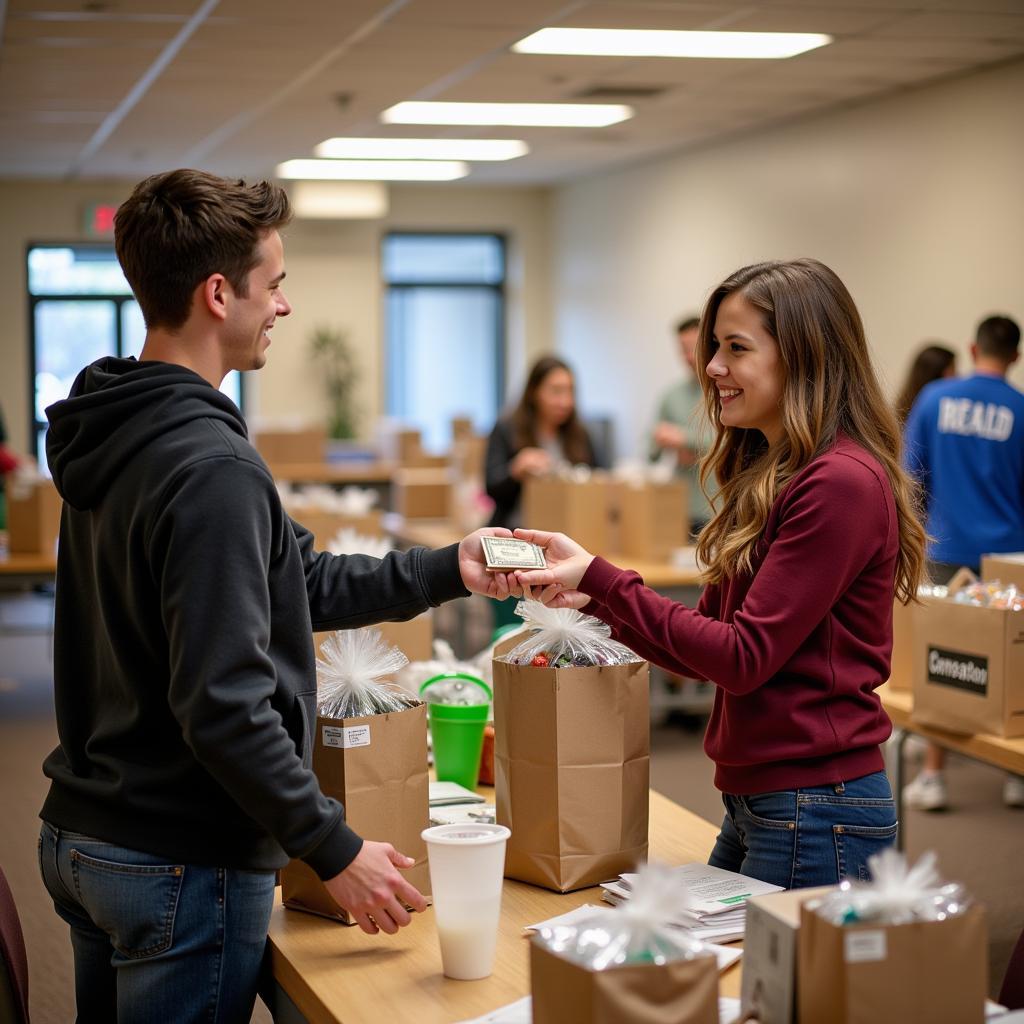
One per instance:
(916, 201)
(333, 278)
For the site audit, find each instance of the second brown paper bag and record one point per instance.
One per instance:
(572, 771)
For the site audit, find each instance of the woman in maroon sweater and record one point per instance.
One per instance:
(814, 533)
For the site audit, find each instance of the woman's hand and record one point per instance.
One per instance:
(529, 462)
(567, 562)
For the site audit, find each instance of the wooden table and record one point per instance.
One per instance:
(28, 569)
(984, 747)
(333, 973)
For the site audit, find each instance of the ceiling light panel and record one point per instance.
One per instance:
(373, 170)
(559, 115)
(614, 42)
(422, 149)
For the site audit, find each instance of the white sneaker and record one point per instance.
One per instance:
(927, 792)
(1013, 791)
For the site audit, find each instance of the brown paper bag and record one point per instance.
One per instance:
(380, 777)
(680, 992)
(934, 971)
(572, 771)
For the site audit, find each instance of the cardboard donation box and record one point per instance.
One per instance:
(572, 771)
(33, 517)
(770, 954)
(581, 509)
(422, 493)
(653, 519)
(291, 447)
(678, 992)
(968, 667)
(869, 973)
(376, 767)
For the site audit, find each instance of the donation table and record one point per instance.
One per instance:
(334, 973)
(996, 751)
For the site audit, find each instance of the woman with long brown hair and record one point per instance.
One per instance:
(815, 530)
(542, 432)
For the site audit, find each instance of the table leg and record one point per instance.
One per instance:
(900, 736)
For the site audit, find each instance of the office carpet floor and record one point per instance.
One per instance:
(978, 841)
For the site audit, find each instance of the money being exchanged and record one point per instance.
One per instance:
(503, 554)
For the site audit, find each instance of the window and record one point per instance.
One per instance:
(445, 334)
(81, 309)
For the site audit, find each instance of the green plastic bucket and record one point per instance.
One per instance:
(457, 733)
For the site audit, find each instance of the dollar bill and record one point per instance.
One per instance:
(504, 553)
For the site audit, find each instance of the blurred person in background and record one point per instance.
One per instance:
(8, 464)
(682, 432)
(964, 441)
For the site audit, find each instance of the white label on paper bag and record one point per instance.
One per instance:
(353, 736)
(863, 947)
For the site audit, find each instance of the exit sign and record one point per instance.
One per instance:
(99, 220)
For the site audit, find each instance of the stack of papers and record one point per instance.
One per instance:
(718, 900)
(452, 804)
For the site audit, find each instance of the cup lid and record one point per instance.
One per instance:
(466, 834)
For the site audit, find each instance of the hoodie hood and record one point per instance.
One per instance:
(115, 409)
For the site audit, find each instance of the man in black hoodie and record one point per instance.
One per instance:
(184, 667)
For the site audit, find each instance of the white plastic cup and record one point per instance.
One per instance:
(467, 865)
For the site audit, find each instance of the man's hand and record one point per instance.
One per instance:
(372, 890)
(567, 562)
(473, 566)
(669, 435)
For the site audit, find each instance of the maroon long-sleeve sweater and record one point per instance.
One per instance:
(796, 648)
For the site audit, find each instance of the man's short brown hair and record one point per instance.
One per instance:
(179, 227)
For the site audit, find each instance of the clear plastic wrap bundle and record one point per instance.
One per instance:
(991, 594)
(638, 931)
(348, 541)
(897, 894)
(566, 638)
(354, 676)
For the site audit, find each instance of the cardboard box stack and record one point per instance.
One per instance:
(292, 447)
(652, 518)
(33, 517)
(422, 493)
(579, 508)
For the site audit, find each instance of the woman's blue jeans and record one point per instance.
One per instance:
(797, 838)
(156, 941)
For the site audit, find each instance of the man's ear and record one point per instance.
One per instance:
(214, 293)
(974, 351)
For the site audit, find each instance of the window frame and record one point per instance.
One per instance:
(499, 289)
(119, 299)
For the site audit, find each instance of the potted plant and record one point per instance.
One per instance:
(333, 354)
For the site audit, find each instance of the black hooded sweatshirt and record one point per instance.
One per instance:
(184, 668)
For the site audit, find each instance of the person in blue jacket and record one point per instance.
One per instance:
(964, 441)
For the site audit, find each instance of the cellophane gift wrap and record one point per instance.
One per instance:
(626, 965)
(902, 947)
(572, 751)
(370, 754)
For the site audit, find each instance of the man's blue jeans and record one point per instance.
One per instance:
(802, 837)
(155, 941)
